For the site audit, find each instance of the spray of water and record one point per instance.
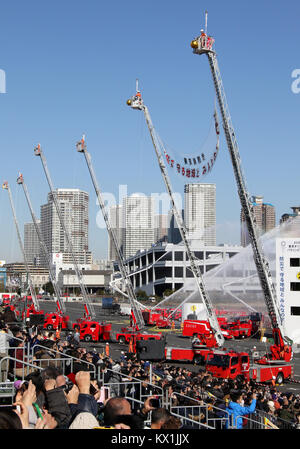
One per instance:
(233, 285)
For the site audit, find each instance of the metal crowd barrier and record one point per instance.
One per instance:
(65, 359)
(8, 363)
(261, 420)
(197, 413)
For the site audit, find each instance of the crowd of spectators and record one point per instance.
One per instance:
(71, 398)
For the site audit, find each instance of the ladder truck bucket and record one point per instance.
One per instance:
(203, 43)
(136, 101)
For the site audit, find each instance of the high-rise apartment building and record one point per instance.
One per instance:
(265, 218)
(116, 221)
(74, 207)
(139, 226)
(161, 228)
(200, 212)
(32, 244)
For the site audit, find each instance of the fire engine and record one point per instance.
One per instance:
(156, 318)
(94, 331)
(199, 328)
(240, 365)
(90, 329)
(54, 321)
(128, 333)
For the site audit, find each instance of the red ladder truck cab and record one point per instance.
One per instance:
(240, 328)
(93, 330)
(53, 321)
(156, 318)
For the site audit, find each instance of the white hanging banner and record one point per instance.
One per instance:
(196, 166)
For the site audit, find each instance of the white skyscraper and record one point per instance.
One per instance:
(74, 207)
(139, 225)
(200, 212)
(31, 243)
(116, 221)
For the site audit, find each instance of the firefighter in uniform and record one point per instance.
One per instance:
(130, 350)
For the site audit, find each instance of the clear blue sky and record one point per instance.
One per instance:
(71, 65)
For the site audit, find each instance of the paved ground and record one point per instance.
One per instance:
(75, 310)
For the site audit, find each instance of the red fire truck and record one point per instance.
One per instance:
(93, 330)
(167, 313)
(132, 332)
(53, 321)
(156, 318)
(30, 310)
(200, 328)
(237, 365)
(239, 328)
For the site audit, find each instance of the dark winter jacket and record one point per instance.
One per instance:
(58, 407)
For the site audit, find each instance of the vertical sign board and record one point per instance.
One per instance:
(287, 282)
(57, 263)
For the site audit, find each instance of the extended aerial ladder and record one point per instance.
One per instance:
(59, 303)
(203, 44)
(89, 308)
(136, 102)
(136, 311)
(6, 186)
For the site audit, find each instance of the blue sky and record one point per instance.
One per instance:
(71, 65)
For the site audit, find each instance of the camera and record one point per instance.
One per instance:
(68, 386)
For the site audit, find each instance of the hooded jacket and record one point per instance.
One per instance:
(236, 411)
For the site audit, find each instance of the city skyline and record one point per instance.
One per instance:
(194, 193)
(91, 98)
